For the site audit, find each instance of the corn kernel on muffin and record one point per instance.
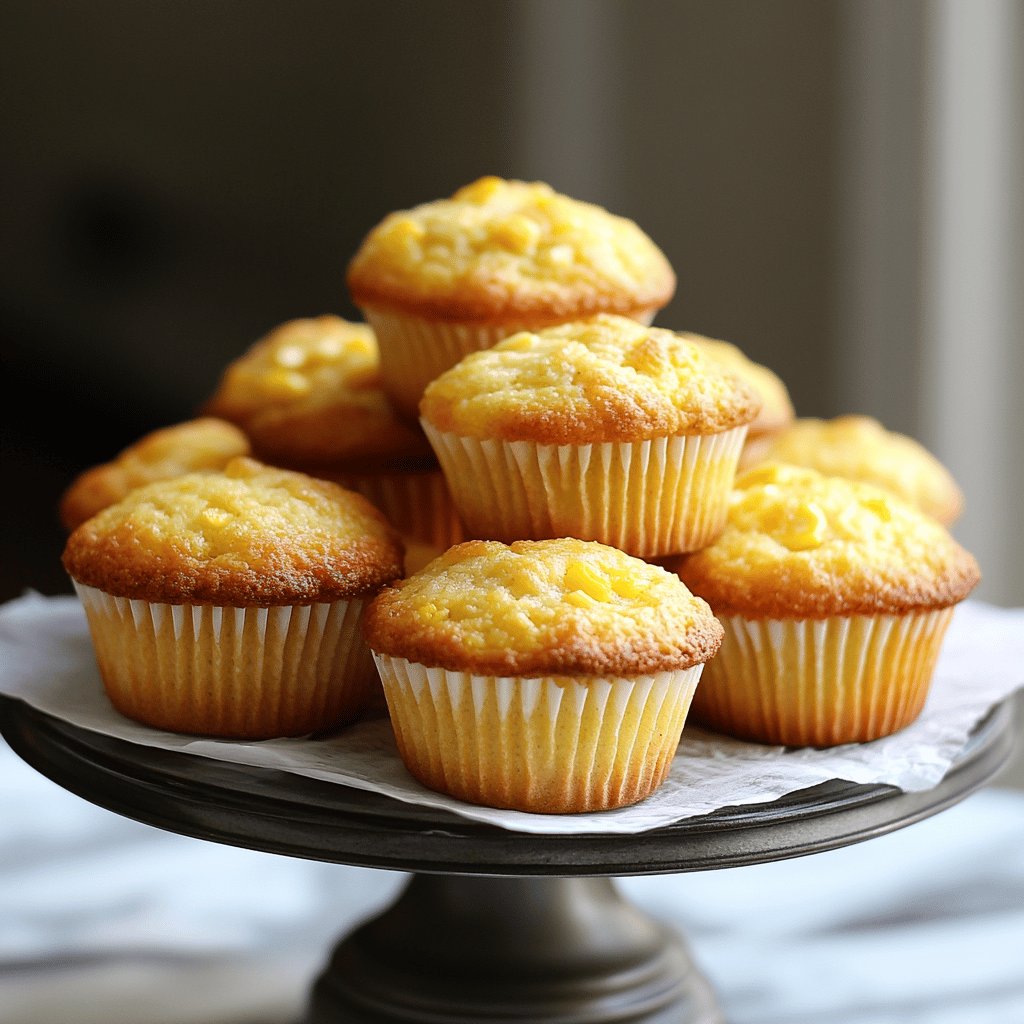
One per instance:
(860, 448)
(602, 429)
(835, 597)
(550, 676)
(205, 443)
(454, 275)
(228, 603)
(776, 405)
(308, 395)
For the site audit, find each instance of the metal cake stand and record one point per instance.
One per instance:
(493, 926)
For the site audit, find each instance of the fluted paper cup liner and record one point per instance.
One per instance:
(820, 682)
(664, 496)
(413, 350)
(755, 450)
(553, 744)
(251, 673)
(417, 504)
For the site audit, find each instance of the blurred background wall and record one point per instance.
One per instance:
(833, 181)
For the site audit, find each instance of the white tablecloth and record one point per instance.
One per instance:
(106, 920)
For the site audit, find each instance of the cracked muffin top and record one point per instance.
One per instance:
(250, 535)
(196, 445)
(608, 378)
(504, 249)
(308, 393)
(860, 448)
(562, 607)
(776, 405)
(805, 545)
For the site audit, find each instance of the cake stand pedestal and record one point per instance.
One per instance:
(493, 926)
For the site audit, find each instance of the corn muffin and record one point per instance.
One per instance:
(835, 597)
(205, 443)
(602, 429)
(860, 448)
(454, 275)
(228, 603)
(776, 405)
(417, 556)
(549, 676)
(308, 395)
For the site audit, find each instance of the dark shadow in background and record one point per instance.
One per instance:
(178, 177)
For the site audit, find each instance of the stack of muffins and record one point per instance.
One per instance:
(606, 527)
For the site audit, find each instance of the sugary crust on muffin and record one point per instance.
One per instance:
(309, 392)
(776, 405)
(799, 544)
(249, 536)
(564, 607)
(205, 443)
(499, 250)
(603, 379)
(860, 448)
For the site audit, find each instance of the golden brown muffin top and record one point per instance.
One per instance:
(249, 536)
(498, 250)
(776, 405)
(860, 448)
(201, 444)
(552, 607)
(604, 379)
(799, 544)
(309, 393)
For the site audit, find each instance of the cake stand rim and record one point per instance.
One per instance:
(283, 813)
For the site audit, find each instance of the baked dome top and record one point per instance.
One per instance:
(563, 607)
(805, 545)
(608, 378)
(205, 443)
(860, 448)
(251, 535)
(309, 392)
(776, 404)
(500, 249)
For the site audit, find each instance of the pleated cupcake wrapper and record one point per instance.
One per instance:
(549, 744)
(821, 682)
(648, 498)
(755, 450)
(231, 672)
(413, 351)
(417, 504)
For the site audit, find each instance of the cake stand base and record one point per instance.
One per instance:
(547, 950)
(495, 926)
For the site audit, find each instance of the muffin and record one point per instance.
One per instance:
(547, 676)
(776, 406)
(195, 445)
(860, 448)
(835, 597)
(455, 275)
(228, 603)
(308, 396)
(417, 556)
(601, 429)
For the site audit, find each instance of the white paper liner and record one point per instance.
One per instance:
(662, 496)
(47, 660)
(755, 450)
(549, 743)
(413, 351)
(821, 681)
(417, 504)
(231, 671)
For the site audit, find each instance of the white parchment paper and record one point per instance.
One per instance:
(46, 659)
